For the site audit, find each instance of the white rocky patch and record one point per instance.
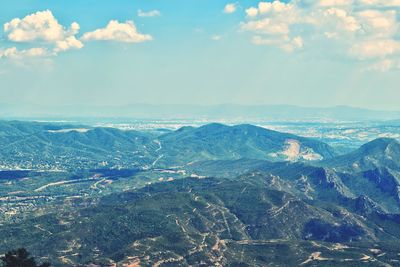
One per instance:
(293, 151)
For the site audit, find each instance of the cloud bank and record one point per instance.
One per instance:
(365, 30)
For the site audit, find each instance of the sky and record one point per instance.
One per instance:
(124, 52)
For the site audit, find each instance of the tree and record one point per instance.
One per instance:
(20, 258)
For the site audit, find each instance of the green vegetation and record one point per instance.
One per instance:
(204, 220)
(197, 197)
(30, 145)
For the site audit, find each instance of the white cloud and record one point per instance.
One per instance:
(297, 42)
(331, 35)
(379, 23)
(216, 37)
(283, 42)
(252, 12)
(274, 7)
(384, 65)
(375, 49)
(362, 29)
(230, 8)
(151, 13)
(74, 29)
(267, 26)
(116, 31)
(14, 53)
(68, 43)
(332, 3)
(340, 19)
(380, 3)
(272, 22)
(42, 26)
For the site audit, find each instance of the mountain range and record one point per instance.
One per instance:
(235, 196)
(39, 145)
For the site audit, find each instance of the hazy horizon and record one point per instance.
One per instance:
(222, 113)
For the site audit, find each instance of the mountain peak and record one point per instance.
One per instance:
(213, 126)
(379, 145)
(381, 152)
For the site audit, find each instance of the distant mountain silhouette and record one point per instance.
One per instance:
(189, 111)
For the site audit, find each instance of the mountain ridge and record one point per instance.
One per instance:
(45, 144)
(381, 152)
(151, 111)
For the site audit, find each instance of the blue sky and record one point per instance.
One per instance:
(301, 52)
